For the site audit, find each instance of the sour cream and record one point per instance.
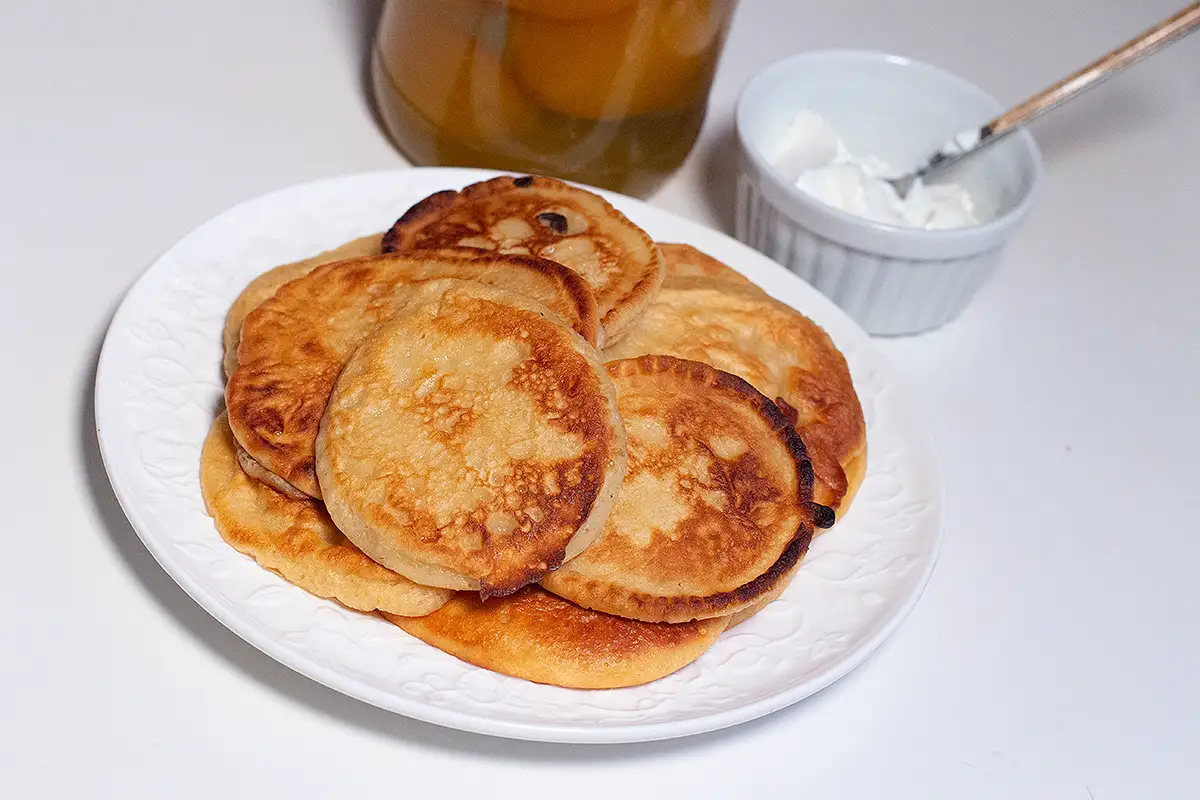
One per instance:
(813, 156)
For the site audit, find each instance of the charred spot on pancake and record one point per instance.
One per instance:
(554, 221)
(823, 516)
(432, 205)
(524, 181)
(789, 413)
(806, 472)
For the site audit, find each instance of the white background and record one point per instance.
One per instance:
(1056, 651)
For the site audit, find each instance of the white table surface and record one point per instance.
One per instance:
(1055, 653)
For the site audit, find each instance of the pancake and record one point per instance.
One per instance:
(471, 442)
(716, 505)
(262, 474)
(269, 282)
(749, 611)
(856, 473)
(548, 218)
(294, 345)
(542, 638)
(296, 538)
(778, 350)
(685, 261)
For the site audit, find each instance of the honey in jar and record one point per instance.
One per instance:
(605, 92)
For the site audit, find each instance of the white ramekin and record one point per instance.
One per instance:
(891, 279)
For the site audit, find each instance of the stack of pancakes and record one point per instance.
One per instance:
(530, 436)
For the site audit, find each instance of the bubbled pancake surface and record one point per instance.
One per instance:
(296, 538)
(295, 343)
(715, 507)
(269, 282)
(685, 261)
(548, 218)
(539, 637)
(471, 442)
(776, 349)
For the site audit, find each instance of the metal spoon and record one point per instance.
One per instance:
(971, 141)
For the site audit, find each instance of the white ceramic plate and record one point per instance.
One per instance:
(159, 386)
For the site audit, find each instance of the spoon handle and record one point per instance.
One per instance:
(1178, 25)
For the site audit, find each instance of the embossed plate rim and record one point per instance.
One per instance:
(384, 195)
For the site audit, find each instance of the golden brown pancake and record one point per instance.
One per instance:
(685, 261)
(296, 538)
(294, 345)
(269, 282)
(547, 218)
(539, 637)
(471, 442)
(716, 505)
(777, 349)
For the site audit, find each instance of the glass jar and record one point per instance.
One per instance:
(606, 92)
